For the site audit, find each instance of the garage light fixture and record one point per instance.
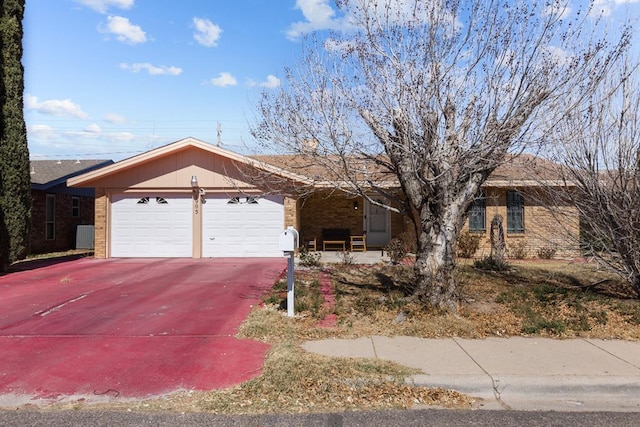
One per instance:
(194, 181)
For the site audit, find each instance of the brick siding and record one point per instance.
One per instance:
(101, 206)
(333, 209)
(544, 227)
(65, 224)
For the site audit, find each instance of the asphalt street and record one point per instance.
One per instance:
(427, 417)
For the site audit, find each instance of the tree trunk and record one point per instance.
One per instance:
(435, 262)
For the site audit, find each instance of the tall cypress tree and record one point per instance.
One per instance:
(15, 193)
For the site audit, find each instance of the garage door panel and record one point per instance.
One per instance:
(246, 227)
(155, 225)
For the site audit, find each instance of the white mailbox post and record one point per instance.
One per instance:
(288, 243)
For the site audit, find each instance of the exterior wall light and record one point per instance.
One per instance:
(194, 181)
(355, 205)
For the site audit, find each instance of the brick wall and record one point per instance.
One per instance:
(291, 213)
(334, 209)
(101, 206)
(65, 224)
(544, 226)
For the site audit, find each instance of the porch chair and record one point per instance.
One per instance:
(311, 243)
(359, 243)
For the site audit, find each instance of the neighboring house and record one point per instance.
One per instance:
(193, 199)
(57, 210)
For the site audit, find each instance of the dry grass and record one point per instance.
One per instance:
(541, 298)
(533, 298)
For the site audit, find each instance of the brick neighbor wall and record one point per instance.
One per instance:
(65, 224)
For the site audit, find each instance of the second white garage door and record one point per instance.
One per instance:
(151, 225)
(242, 226)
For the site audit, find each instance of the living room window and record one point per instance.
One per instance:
(477, 215)
(515, 212)
(75, 207)
(50, 217)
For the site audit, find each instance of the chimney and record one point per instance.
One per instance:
(310, 145)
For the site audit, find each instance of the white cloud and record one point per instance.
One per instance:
(555, 55)
(93, 128)
(41, 131)
(124, 30)
(114, 118)
(103, 5)
(207, 33)
(54, 107)
(154, 70)
(319, 15)
(271, 82)
(607, 7)
(223, 80)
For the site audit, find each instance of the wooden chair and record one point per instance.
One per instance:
(311, 243)
(359, 243)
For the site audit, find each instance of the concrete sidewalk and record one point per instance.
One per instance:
(513, 373)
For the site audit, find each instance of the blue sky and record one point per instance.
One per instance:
(113, 78)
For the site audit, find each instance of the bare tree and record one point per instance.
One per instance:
(600, 148)
(433, 95)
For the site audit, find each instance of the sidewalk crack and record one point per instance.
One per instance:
(609, 353)
(373, 345)
(495, 383)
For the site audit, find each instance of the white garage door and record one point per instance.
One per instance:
(151, 225)
(241, 226)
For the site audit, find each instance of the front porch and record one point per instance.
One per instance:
(375, 256)
(335, 221)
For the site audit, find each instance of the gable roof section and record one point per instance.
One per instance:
(183, 144)
(46, 174)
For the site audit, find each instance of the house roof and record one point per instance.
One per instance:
(49, 173)
(522, 170)
(527, 170)
(183, 144)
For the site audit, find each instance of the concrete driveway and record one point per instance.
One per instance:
(129, 327)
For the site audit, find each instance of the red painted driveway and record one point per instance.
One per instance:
(130, 327)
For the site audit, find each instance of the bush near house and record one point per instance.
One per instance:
(468, 244)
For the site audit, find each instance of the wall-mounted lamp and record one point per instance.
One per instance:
(194, 181)
(355, 205)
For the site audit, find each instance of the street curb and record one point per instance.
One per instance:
(516, 386)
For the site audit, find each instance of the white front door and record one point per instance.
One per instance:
(377, 224)
(242, 226)
(151, 225)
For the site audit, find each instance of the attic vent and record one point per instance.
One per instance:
(234, 201)
(143, 201)
(161, 201)
(252, 201)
